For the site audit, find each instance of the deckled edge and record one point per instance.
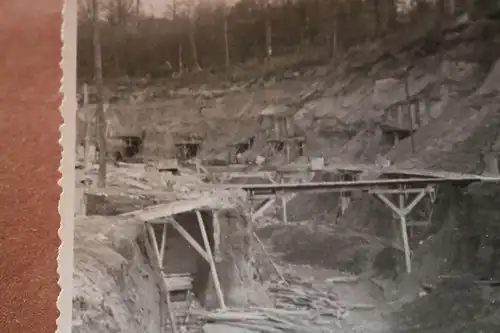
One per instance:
(67, 168)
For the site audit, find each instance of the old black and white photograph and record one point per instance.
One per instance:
(287, 166)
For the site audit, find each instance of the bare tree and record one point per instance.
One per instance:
(191, 21)
(226, 39)
(175, 22)
(100, 119)
(244, 30)
(269, 31)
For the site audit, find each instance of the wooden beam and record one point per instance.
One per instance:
(163, 241)
(211, 261)
(217, 235)
(160, 275)
(389, 204)
(284, 210)
(415, 201)
(398, 191)
(336, 186)
(276, 268)
(404, 233)
(189, 239)
(269, 176)
(268, 203)
(152, 235)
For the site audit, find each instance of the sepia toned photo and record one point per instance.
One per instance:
(291, 166)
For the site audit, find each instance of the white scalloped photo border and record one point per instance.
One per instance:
(67, 166)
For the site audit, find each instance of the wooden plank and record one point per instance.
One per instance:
(163, 243)
(413, 203)
(261, 209)
(389, 204)
(242, 174)
(398, 191)
(117, 192)
(393, 170)
(339, 186)
(178, 283)
(211, 261)
(187, 236)
(404, 232)
(269, 257)
(152, 213)
(153, 252)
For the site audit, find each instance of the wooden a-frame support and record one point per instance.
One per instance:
(205, 253)
(159, 252)
(402, 210)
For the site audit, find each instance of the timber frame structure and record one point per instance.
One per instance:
(408, 186)
(163, 215)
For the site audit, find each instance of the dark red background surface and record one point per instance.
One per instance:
(30, 51)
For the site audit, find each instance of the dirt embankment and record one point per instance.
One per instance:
(463, 234)
(114, 286)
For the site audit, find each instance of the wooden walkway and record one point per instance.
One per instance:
(388, 181)
(350, 186)
(357, 168)
(395, 171)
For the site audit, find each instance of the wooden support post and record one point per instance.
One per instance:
(189, 239)
(216, 223)
(269, 176)
(276, 127)
(418, 116)
(415, 201)
(152, 235)
(267, 203)
(302, 148)
(276, 268)
(184, 153)
(284, 209)
(344, 202)
(163, 241)
(388, 202)
(413, 114)
(288, 153)
(159, 260)
(156, 272)
(402, 212)
(213, 268)
(396, 138)
(404, 232)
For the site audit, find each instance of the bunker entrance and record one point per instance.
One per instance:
(184, 268)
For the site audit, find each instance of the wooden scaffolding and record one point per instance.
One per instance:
(409, 188)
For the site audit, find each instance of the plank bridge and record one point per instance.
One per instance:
(409, 186)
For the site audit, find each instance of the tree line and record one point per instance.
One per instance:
(191, 34)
